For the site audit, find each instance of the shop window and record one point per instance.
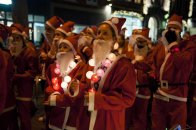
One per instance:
(9, 15)
(30, 17)
(152, 25)
(2, 15)
(38, 30)
(78, 28)
(133, 21)
(38, 18)
(9, 23)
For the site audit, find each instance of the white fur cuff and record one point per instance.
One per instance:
(91, 101)
(52, 100)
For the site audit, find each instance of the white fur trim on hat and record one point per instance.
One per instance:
(49, 24)
(16, 32)
(141, 36)
(91, 30)
(69, 44)
(113, 26)
(63, 31)
(175, 23)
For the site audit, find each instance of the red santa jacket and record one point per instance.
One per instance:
(172, 68)
(10, 98)
(26, 64)
(3, 85)
(116, 92)
(143, 68)
(64, 114)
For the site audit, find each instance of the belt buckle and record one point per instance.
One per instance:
(164, 83)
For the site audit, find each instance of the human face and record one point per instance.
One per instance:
(176, 29)
(63, 47)
(106, 33)
(17, 40)
(140, 42)
(49, 32)
(58, 35)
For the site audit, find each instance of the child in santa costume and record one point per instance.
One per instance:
(172, 66)
(113, 83)
(61, 76)
(142, 62)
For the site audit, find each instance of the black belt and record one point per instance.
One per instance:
(142, 86)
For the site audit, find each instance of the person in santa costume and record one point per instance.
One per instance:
(3, 79)
(8, 116)
(142, 61)
(60, 33)
(172, 66)
(60, 77)
(113, 83)
(51, 25)
(26, 67)
(85, 41)
(190, 44)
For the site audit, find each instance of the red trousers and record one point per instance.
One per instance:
(140, 114)
(136, 116)
(8, 120)
(168, 114)
(24, 111)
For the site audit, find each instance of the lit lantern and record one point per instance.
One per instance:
(106, 63)
(56, 87)
(57, 65)
(72, 64)
(67, 79)
(100, 72)
(91, 62)
(64, 85)
(55, 80)
(89, 74)
(57, 71)
(95, 78)
(112, 56)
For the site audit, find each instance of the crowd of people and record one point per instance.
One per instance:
(97, 79)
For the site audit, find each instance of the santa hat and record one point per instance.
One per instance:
(54, 22)
(116, 24)
(144, 34)
(91, 29)
(175, 21)
(67, 28)
(72, 42)
(17, 28)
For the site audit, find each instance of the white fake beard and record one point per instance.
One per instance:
(101, 49)
(85, 41)
(140, 53)
(64, 59)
